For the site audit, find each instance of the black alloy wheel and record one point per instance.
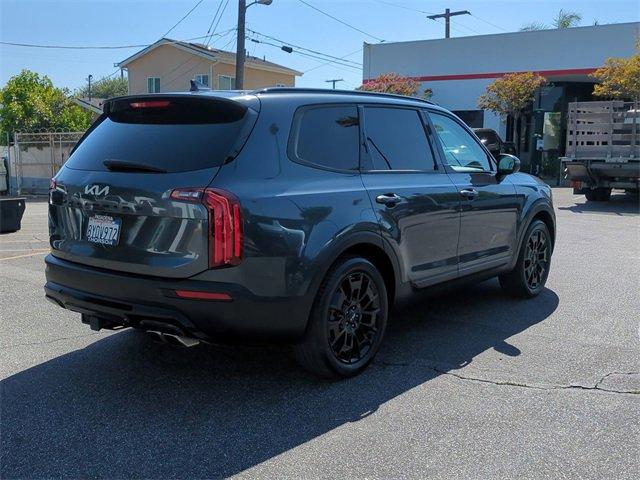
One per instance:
(536, 258)
(348, 320)
(529, 275)
(353, 323)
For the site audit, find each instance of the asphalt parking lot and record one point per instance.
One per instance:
(467, 385)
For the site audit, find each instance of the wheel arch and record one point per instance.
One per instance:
(370, 246)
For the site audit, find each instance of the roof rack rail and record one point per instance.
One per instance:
(333, 91)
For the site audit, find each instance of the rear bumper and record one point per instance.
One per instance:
(126, 299)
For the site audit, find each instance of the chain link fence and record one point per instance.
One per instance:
(37, 156)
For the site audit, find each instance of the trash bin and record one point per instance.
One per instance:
(11, 210)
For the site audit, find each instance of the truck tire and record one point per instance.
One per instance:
(529, 276)
(601, 194)
(347, 322)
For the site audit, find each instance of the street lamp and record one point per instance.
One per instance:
(240, 52)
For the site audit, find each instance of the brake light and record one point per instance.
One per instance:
(150, 104)
(225, 223)
(199, 295)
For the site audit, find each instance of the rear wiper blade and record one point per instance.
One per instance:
(122, 166)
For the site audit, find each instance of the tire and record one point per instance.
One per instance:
(343, 316)
(529, 276)
(600, 194)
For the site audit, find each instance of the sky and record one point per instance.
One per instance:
(141, 22)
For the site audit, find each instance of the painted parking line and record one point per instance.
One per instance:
(25, 255)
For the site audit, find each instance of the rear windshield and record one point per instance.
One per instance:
(172, 135)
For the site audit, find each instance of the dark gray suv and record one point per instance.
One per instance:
(285, 214)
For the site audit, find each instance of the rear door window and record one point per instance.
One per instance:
(172, 135)
(397, 140)
(327, 136)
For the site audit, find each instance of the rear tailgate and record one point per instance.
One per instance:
(111, 205)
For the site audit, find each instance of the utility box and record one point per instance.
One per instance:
(11, 210)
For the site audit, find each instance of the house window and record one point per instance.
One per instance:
(202, 78)
(153, 84)
(225, 82)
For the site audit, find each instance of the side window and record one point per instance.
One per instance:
(462, 152)
(202, 78)
(153, 84)
(396, 139)
(327, 136)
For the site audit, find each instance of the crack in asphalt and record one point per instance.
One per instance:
(596, 387)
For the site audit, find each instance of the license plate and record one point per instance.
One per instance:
(103, 229)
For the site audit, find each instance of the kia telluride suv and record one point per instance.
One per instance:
(285, 214)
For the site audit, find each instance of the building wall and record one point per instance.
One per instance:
(176, 68)
(253, 78)
(459, 69)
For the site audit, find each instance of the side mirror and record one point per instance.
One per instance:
(508, 164)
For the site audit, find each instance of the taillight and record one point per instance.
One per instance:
(150, 104)
(53, 184)
(225, 223)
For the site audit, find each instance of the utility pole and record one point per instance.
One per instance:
(447, 19)
(89, 78)
(240, 51)
(334, 81)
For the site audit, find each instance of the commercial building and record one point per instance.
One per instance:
(458, 70)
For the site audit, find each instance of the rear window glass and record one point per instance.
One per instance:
(168, 134)
(328, 137)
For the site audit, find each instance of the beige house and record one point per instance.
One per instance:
(169, 65)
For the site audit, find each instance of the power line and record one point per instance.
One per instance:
(404, 7)
(302, 48)
(218, 22)
(304, 54)
(489, 23)
(95, 47)
(182, 19)
(340, 21)
(329, 63)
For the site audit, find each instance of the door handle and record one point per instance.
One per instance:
(389, 199)
(469, 193)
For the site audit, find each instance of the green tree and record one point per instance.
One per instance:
(30, 101)
(396, 84)
(105, 88)
(567, 19)
(510, 95)
(564, 19)
(619, 78)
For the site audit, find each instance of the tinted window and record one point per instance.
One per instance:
(397, 140)
(328, 136)
(172, 135)
(462, 152)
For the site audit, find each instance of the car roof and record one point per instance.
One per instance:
(321, 95)
(304, 96)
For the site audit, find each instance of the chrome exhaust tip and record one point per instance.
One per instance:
(181, 340)
(157, 336)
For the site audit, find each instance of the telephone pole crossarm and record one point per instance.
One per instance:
(447, 19)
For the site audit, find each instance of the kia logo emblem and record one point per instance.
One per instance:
(96, 190)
